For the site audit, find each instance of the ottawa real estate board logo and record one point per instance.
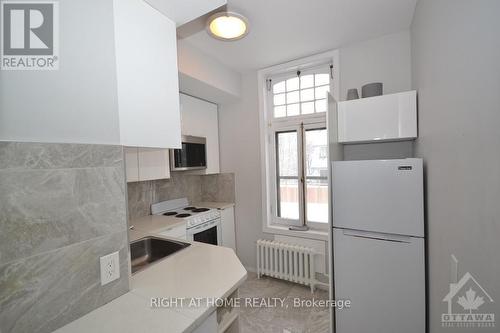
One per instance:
(468, 303)
(29, 35)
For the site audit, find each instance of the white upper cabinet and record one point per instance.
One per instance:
(147, 76)
(200, 118)
(146, 164)
(382, 118)
(153, 164)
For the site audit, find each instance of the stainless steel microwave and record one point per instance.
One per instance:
(192, 155)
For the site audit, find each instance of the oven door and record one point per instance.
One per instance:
(208, 232)
(192, 155)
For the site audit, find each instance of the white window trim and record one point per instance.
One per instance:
(264, 122)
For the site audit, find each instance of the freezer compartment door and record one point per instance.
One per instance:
(379, 195)
(384, 277)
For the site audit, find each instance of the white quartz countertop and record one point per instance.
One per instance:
(198, 271)
(155, 223)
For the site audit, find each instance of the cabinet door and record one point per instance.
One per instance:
(131, 164)
(153, 164)
(200, 118)
(147, 76)
(227, 226)
(381, 118)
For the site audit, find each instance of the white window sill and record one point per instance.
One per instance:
(310, 234)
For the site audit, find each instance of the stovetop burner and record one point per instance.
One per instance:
(170, 213)
(183, 215)
(190, 208)
(199, 210)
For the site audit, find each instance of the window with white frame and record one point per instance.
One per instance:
(298, 146)
(301, 94)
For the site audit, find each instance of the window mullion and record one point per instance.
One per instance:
(302, 206)
(300, 88)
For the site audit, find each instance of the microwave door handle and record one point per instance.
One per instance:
(377, 236)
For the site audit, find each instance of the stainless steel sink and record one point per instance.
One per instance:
(147, 250)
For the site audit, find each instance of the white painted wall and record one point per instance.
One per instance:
(456, 70)
(203, 76)
(182, 11)
(81, 94)
(239, 144)
(239, 128)
(385, 59)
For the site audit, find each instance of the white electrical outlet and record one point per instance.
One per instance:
(110, 268)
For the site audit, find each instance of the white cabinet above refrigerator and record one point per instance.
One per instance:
(390, 117)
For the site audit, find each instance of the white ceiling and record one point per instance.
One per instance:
(282, 30)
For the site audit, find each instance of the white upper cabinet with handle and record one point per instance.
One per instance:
(382, 118)
(200, 118)
(147, 76)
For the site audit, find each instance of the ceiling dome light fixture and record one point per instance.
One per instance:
(227, 26)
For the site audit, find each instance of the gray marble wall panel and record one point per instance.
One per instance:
(45, 209)
(43, 292)
(218, 188)
(197, 188)
(178, 186)
(140, 197)
(22, 155)
(62, 206)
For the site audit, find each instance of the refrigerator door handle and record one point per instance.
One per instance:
(377, 236)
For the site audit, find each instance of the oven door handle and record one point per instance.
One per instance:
(205, 226)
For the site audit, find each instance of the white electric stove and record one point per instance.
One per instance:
(202, 224)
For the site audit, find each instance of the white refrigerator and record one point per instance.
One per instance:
(378, 246)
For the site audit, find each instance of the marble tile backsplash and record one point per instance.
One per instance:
(197, 188)
(218, 188)
(62, 206)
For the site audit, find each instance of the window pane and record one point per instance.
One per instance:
(307, 108)
(306, 81)
(316, 153)
(307, 95)
(292, 110)
(292, 97)
(321, 105)
(279, 111)
(286, 142)
(279, 99)
(321, 79)
(316, 164)
(279, 87)
(288, 203)
(317, 200)
(292, 84)
(288, 188)
(321, 92)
